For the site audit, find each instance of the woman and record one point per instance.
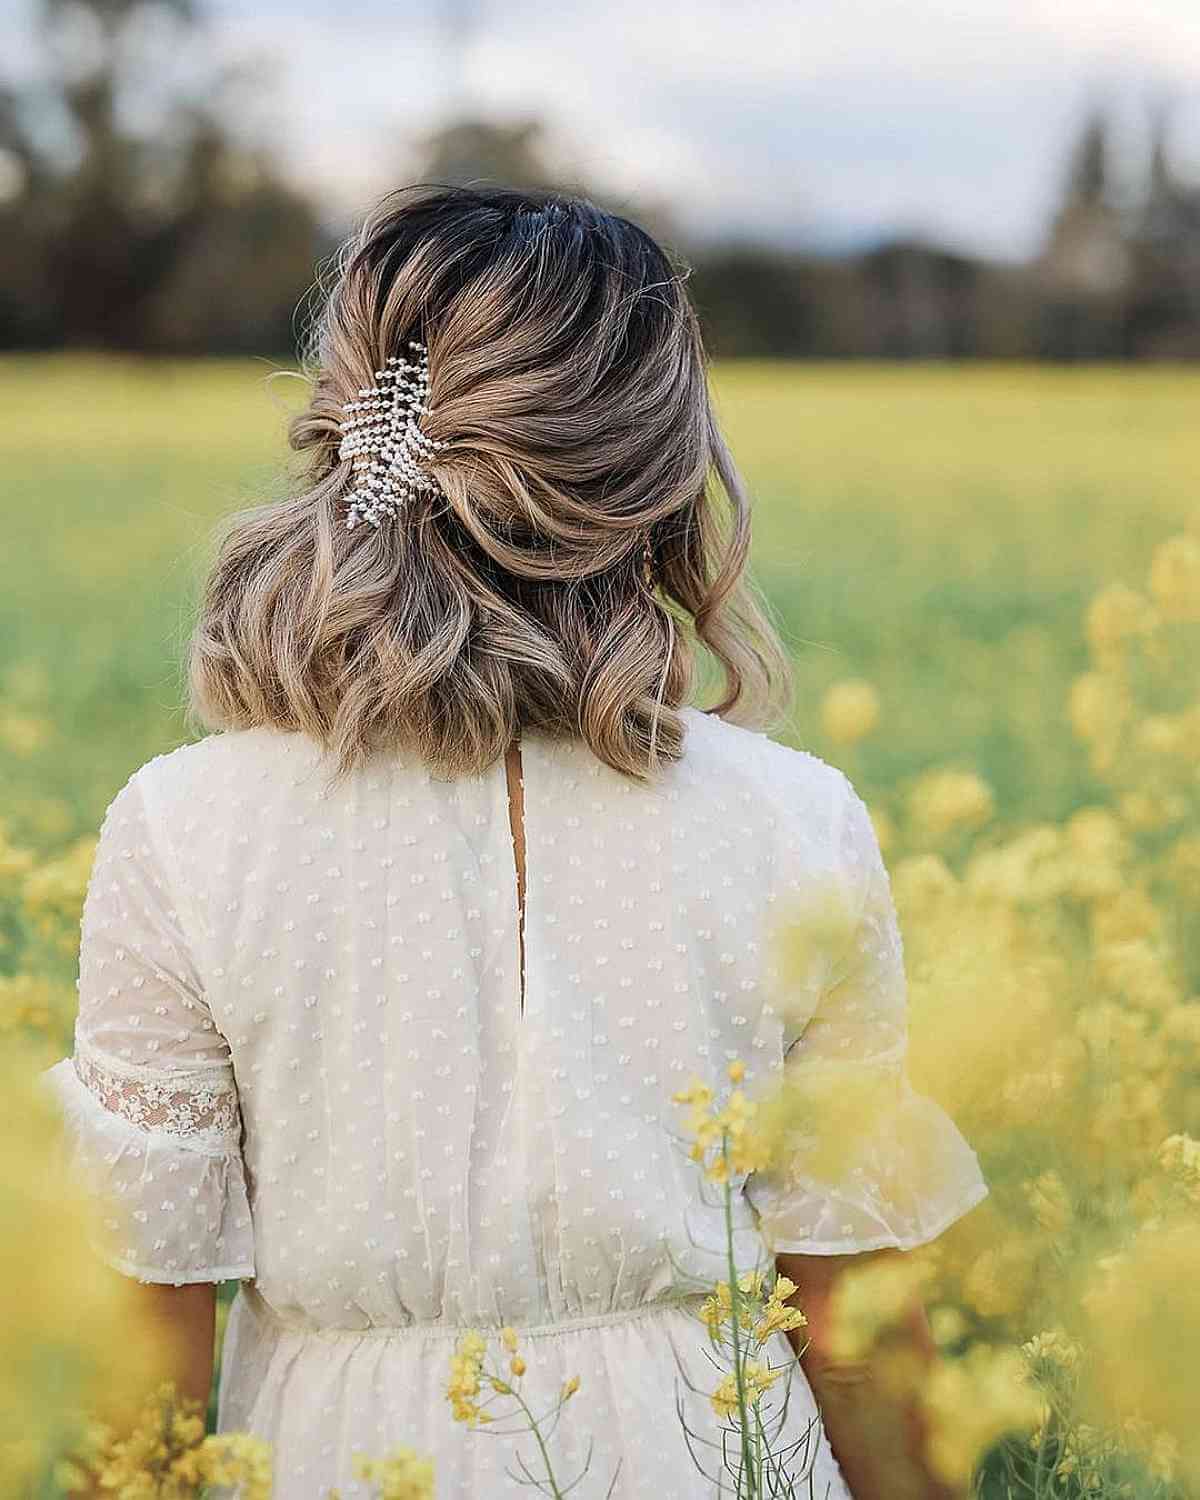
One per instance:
(385, 988)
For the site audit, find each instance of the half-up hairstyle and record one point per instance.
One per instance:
(568, 382)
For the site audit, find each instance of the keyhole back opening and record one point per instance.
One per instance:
(516, 820)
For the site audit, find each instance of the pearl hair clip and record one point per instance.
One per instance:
(383, 440)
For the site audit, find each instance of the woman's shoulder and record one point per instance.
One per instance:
(751, 765)
(718, 744)
(224, 767)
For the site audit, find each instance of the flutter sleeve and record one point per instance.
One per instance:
(151, 1120)
(870, 1163)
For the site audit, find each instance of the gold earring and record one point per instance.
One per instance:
(647, 562)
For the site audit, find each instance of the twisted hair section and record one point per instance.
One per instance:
(569, 396)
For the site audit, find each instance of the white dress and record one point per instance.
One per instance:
(301, 1061)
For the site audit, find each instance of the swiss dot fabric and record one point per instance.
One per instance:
(301, 1061)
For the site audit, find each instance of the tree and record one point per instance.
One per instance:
(518, 154)
(1084, 270)
(116, 214)
(477, 150)
(1087, 175)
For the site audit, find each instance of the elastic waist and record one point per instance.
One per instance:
(429, 1328)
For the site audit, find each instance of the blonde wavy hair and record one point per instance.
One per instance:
(568, 380)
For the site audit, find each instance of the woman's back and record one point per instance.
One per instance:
(422, 1141)
(417, 1150)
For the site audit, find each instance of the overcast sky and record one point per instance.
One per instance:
(802, 120)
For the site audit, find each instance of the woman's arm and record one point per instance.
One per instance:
(185, 1318)
(876, 1437)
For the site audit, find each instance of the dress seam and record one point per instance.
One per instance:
(426, 1328)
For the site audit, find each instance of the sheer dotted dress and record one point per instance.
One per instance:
(330, 1045)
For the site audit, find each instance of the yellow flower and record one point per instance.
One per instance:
(737, 1071)
(166, 1454)
(24, 734)
(747, 1150)
(849, 711)
(15, 863)
(750, 1283)
(466, 1366)
(1053, 1346)
(1151, 810)
(508, 1337)
(870, 1299)
(54, 892)
(517, 1365)
(971, 1401)
(696, 1094)
(238, 1459)
(1175, 578)
(402, 1475)
(743, 1148)
(757, 1378)
(76, 1339)
(725, 1398)
(1179, 1157)
(999, 1280)
(717, 1308)
(187, 1429)
(921, 882)
(472, 1344)
(778, 1318)
(1129, 915)
(1135, 972)
(570, 1387)
(1026, 869)
(1162, 734)
(33, 1003)
(1050, 1201)
(947, 802)
(1143, 1328)
(1115, 615)
(1096, 832)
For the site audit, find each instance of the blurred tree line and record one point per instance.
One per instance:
(159, 233)
(125, 228)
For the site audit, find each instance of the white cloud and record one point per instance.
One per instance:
(770, 118)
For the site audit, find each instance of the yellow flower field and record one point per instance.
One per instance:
(990, 579)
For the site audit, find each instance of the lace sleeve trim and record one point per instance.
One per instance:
(196, 1108)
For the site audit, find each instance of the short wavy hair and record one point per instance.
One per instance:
(569, 383)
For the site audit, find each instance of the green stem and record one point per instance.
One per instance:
(761, 1445)
(735, 1320)
(537, 1433)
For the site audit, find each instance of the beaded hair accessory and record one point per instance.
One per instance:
(382, 438)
